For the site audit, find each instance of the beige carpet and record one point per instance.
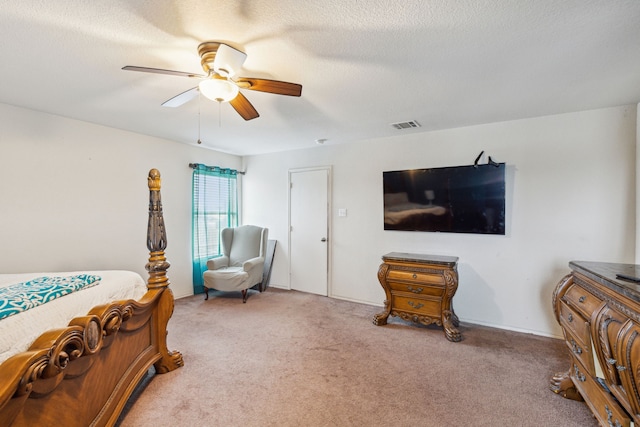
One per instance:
(287, 358)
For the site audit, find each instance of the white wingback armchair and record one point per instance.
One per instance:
(242, 264)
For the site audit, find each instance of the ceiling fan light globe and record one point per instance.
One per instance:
(218, 90)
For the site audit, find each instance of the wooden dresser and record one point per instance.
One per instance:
(600, 319)
(420, 288)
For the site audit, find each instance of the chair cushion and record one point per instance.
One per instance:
(226, 279)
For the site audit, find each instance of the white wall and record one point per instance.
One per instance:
(570, 196)
(74, 196)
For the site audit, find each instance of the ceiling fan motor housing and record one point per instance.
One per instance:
(220, 58)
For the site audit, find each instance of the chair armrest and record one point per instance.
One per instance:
(251, 263)
(218, 262)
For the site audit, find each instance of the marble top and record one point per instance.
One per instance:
(410, 257)
(605, 274)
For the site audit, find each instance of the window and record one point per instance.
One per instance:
(215, 206)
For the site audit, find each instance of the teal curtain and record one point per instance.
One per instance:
(215, 206)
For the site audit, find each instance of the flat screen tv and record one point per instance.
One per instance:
(459, 199)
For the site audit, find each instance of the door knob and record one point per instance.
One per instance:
(324, 239)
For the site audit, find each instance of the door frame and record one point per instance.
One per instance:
(329, 170)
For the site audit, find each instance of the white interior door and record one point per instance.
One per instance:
(309, 230)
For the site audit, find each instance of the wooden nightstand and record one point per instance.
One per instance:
(420, 288)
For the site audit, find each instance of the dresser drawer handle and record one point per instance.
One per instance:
(610, 417)
(415, 276)
(415, 290)
(618, 367)
(582, 298)
(579, 375)
(576, 348)
(570, 317)
(415, 305)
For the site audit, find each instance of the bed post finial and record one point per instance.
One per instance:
(156, 235)
(154, 179)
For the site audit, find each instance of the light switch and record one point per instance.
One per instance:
(342, 212)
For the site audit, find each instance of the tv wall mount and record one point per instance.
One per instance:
(490, 161)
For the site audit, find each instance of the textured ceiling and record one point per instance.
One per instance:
(363, 64)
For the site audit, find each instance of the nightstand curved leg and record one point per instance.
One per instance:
(449, 325)
(454, 318)
(380, 319)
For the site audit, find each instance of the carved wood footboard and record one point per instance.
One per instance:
(82, 375)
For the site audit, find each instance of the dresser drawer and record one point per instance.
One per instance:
(580, 351)
(573, 320)
(602, 403)
(581, 300)
(423, 305)
(417, 288)
(415, 277)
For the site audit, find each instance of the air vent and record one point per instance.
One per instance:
(406, 125)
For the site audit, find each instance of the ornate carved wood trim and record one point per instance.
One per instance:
(559, 291)
(417, 318)
(633, 375)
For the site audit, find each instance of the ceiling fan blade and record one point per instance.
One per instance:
(270, 86)
(161, 71)
(182, 98)
(242, 105)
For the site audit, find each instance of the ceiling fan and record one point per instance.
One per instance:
(221, 63)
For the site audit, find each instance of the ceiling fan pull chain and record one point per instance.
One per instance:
(199, 105)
